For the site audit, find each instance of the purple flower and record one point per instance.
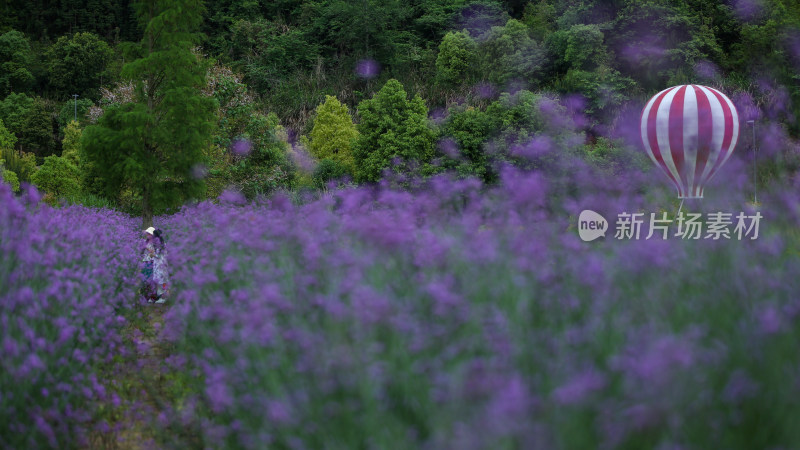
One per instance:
(241, 147)
(576, 389)
(232, 197)
(485, 90)
(748, 10)
(368, 68)
(770, 320)
(449, 147)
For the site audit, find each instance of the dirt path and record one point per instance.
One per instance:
(138, 381)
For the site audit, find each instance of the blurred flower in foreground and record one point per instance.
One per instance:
(241, 147)
(232, 197)
(368, 68)
(199, 171)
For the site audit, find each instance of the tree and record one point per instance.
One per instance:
(328, 170)
(457, 58)
(36, 136)
(15, 62)
(7, 141)
(71, 145)
(540, 18)
(585, 49)
(31, 123)
(9, 177)
(76, 65)
(333, 133)
(57, 177)
(272, 51)
(71, 108)
(153, 143)
(509, 53)
(257, 162)
(23, 165)
(14, 111)
(392, 127)
(465, 134)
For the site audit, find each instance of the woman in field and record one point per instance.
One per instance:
(155, 268)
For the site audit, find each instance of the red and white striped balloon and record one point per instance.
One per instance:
(689, 131)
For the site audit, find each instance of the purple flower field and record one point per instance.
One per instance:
(455, 316)
(67, 278)
(446, 314)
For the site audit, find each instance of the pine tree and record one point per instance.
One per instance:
(151, 144)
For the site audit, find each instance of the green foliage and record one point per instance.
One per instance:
(329, 170)
(604, 88)
(14, 112)
(7, 139)
(152, 144)
(518, 113)
(68, 112)
(30, 121)
(272, 51)
(9, 177)
(679, 33)
(23, 165)
(42, 21)
(455, 63)
(58, 177)
(266, 166)
(71, 145)
(436, 16)
(369, 27)
(333, 133)
(613, 157)
(540, 18)
(469, 129)
(89, 201)
(216, 171)
(509, 53)
(585, 49)
(15, 63)
(392, 127)
(76, 65)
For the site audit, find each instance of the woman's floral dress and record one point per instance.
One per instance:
(155, 271)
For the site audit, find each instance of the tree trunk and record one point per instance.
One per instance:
(147, 209)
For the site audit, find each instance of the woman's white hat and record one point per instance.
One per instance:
(150, 230)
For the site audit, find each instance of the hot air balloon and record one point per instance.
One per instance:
(689, 131)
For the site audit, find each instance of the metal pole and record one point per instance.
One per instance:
(755, 174)
(75, 96)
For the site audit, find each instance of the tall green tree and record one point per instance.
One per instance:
(15, 63)
(455, 63)
(152, 143)
(77, 65)
(392, 127)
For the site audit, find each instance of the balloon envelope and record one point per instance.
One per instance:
(689, 131)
